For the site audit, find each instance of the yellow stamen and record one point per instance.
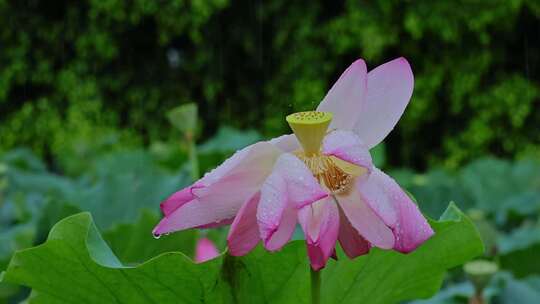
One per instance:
(310, 128)
(348, 168)
(332, 173)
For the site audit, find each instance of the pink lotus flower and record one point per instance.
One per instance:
(322, 177)
(205, 250)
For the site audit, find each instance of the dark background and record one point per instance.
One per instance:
(90, 75)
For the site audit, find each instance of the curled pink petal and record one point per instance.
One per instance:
(246, 170)
(351, 241)
(320, 222)
(178, 199)
(244, 233)
(274, 212)
(389, 89)
(346, 97)
(217, 197)
(396, 209)
(301, 187)
(290, 187)
(346, 145)
(195, 214)
(368, 224)
(217, 224)
(282, 233)
(205, 250)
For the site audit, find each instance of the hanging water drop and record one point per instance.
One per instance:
(156, 235)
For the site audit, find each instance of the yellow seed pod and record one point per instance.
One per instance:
(310, 128)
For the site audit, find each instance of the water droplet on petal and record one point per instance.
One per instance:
(156, 235)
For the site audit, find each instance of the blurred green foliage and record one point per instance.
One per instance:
(78, 77)
(78, 257)
(122, 191)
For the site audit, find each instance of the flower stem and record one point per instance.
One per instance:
(477, 298)
(193, 157)
(315, 286)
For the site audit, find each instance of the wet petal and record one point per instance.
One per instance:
(244, 232)
(290, 187)
(195, 214)
(217, 197)
(178, 199)
(320, 222)
(368, 224)
(389, 89)
(347, 146)
(346, 97)
(351, 241)
(205, 250)
(286, 143)
(217, 224)
(245, 171)
(301, 187)
(396, 209)
(283, 232)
